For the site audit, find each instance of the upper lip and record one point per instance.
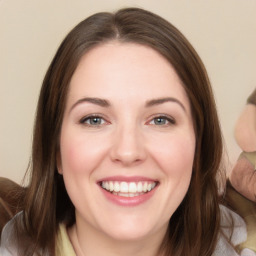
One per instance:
(127, 179)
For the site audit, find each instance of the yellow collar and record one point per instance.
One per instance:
(63, 245)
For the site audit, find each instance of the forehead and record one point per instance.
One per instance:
(125, 69)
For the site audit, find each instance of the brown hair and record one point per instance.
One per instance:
(194, 227)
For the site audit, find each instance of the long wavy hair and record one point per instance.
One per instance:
(194, 227)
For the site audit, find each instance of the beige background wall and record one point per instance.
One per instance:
(222, 31)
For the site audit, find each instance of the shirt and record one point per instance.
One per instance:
(223, 248)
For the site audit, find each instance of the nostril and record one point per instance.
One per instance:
(128, 155)
(128, 147)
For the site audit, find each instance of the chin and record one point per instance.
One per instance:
(133, 229)
(129, 235)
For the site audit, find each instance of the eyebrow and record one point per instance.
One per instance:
(96, 101)
(105, 103)
(159, 101)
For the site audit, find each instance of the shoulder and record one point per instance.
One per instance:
(11, 239)
(63, 243)
(233, 232)
(8, 238)
(14, 239)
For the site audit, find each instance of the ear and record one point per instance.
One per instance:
(58, 163)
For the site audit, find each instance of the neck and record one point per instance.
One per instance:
(88, 243)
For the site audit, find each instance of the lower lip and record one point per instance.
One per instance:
(128, 201)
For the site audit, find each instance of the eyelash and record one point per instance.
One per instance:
(168, 121)
(90, 118)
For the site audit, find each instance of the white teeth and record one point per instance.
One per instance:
(111, 186)
(145, 187)
(123, 194)
(139, 187)
(124, 187)
(116, 187)
(128, 189)
(132, 187)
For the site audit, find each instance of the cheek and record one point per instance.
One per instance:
(80, 154)
(175, 154)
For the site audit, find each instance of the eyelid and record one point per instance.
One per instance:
(85, 118)
(169, 118)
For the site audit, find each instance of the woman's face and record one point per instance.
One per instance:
(127, 142)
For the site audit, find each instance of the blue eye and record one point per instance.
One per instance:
(92, 121)
(162, 121)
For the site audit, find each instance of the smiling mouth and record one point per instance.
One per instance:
(128, 189)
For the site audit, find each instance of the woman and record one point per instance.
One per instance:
(126, 149)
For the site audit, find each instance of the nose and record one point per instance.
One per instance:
(128, 146)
